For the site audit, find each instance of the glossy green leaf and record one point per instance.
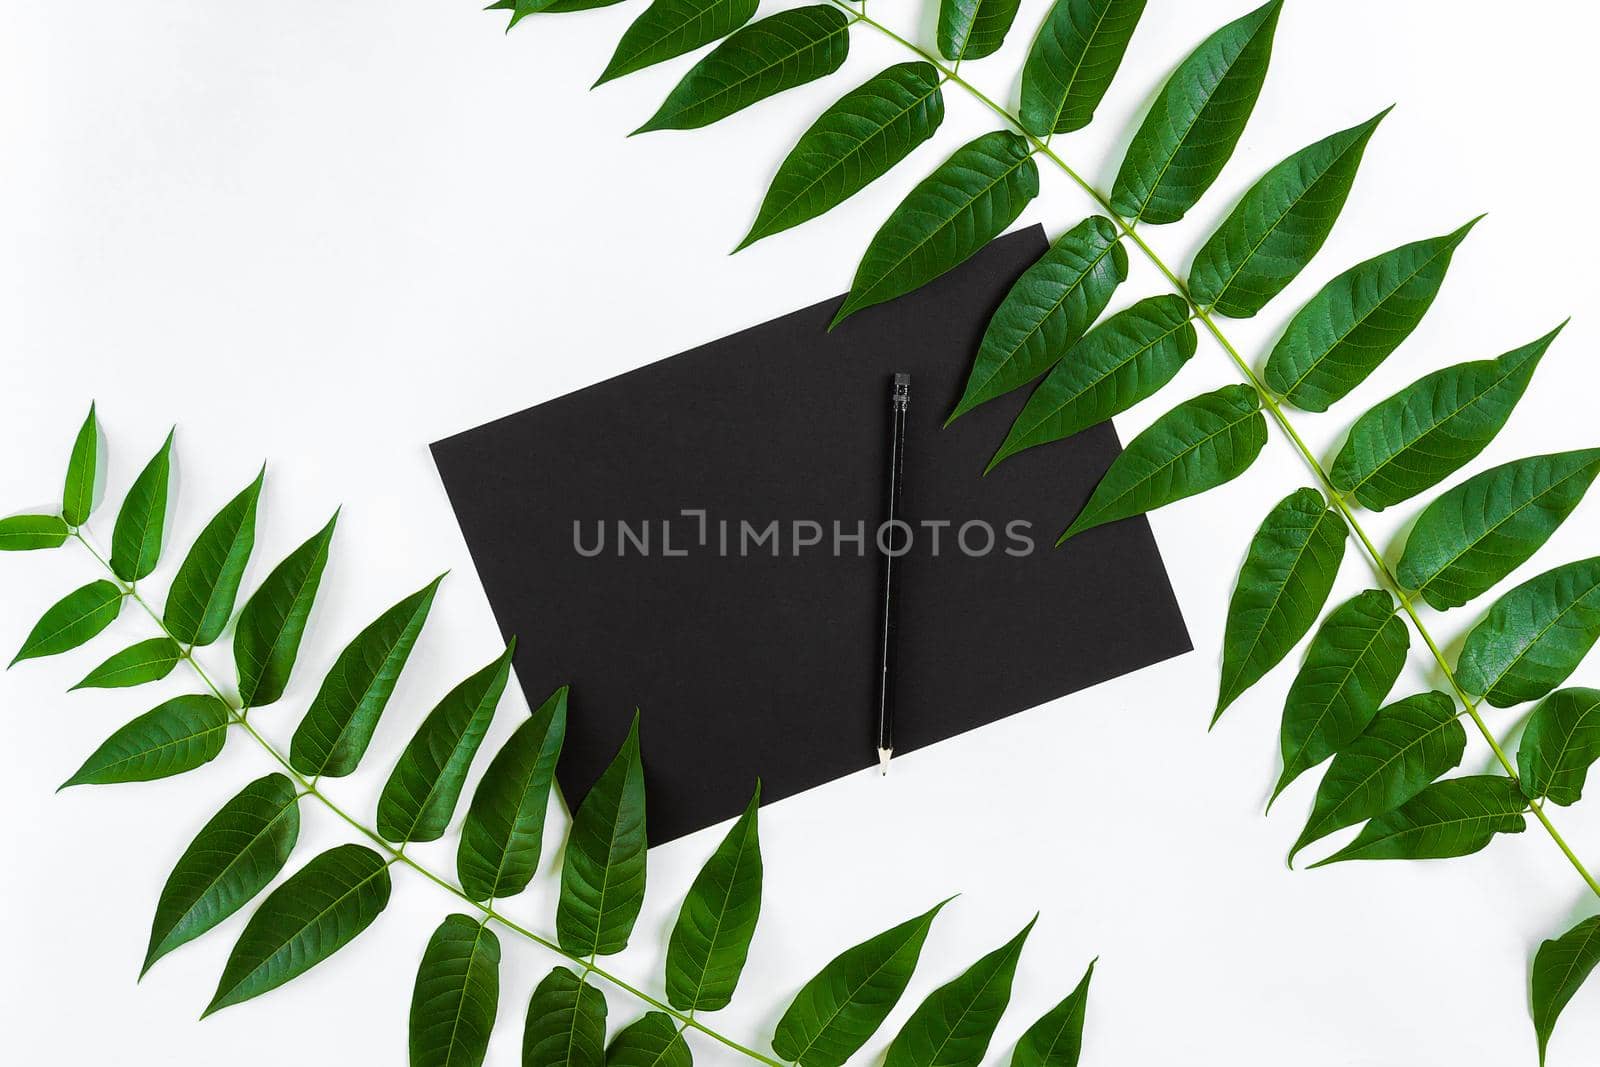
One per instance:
(1560, 744)
(231, 859)
(457, 991)
(955, 211)
(760, 60)
(147, 661)
(972, 29)
(338, 726)
(316, 911)
(1056, 1040)
(1282, 588)
(207, 584)
(77, 496)
(24, 533)
(1406, 746)
(1433, 427)
(651, 1041)
(504, 829)
(1534, 637)
(421, 793)
(566, 1025)
(267, 637)
(707, 950)
(1047, 311)
(952, 1028)
(521, 9)
(72, 620)
(1455, 817)
(136, 538)
(1279, 225)
(836, 1012)
(184, 733)
(1352, 663)
(602, 878)
(1195, 122)
(669, 28)
(1202, 443)
(1077, 53)
(1354, 322)
(1560, 968)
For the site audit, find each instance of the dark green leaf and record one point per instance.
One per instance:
(421, 793)
(972, 29)
(959, 208)
(669, 28)
(953, 1026)
(837, 1011)
(184, 733)
(267, 638)
(652, 1041)
(1559, 969)
(1057, 1038)
(1279, 226)
(1047, 311)
(147, 661)
(504, 828)
(1534, 637)
(1407, 745)
(521, 9)
(1074, 58)
(1560, 743)
(761, 60)
(1355, 321)
(602, 879)
(706, 953)
(1202, 443)
(24, 533)
(316, 911)
(1283, 585)
(72, 620)
(457, 991)
(1433, 427)
(201, 601)
(136, 538)
(1455, 817)
(1350, 667)
(338, 726)
(77, 497)
(566, 1024)
(853, 143)
(231, 859)
(1194, 124)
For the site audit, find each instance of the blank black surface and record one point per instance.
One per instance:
(755, 665)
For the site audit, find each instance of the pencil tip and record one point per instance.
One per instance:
(883, 760)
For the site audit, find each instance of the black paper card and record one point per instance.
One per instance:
(747, 663)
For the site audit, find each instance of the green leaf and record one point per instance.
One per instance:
(1047, 311)
(955, 211)
(504, 828)
(1355, 321)
(651, 1041)
(566, 1024)
(184, 733)
(231, 859)
(136, 538)
(1433, 427)
(1455, 817)
(421, 793)
(1194, 124)
(669, 28)
(77, 497)
(203, 593)
(1350, 667)
(1406, 746)
(1534, 637)
(1279, 225)
(1057, 1038)
(1477, 533)
(457, 991)
(602, 878)
(72, 620)
(953, 1026)
(1077, 53)
(852, 144)
(147, 661)
(1560, 743)
(972, 29)
(1559, 969)
(763, 59)
(521, 9)
(1202, 443)
(338, 726)
(267, 638)
(24, 533)
(1282, 588)
(316, 911)
(842, 1007)
(707, 950)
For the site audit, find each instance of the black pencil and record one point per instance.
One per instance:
(899, 401)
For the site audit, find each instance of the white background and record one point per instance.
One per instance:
(328, 233)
